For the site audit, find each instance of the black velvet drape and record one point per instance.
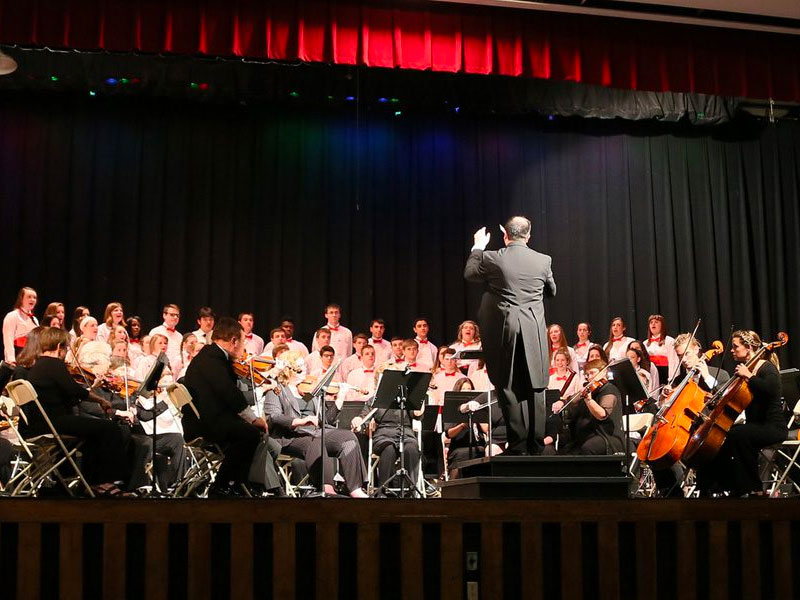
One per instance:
(149, 201)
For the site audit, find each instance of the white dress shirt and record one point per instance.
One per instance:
(174, 340)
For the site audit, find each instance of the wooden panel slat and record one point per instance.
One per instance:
(283, 558)
(571, 561)
(491, 561)
(29, 551)
(70, 554)
(751, 567)
(368, 560)
(718, 559)
(114, 536)
(241, 560)
(452, 560)
(327, 560)
(686, 548)
(156, 561)
(608, 559)
(782, 559)
(646, 559)
(532, 577)
(199, 561)
(411, 548)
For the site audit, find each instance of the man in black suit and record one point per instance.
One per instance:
(513, 328)
(225, 416)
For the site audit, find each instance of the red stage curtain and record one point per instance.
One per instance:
(612, 52)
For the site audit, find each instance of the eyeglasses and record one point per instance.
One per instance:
(173, 314)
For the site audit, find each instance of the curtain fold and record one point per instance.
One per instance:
(619, 53)
(281, 211)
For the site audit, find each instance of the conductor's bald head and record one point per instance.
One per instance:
(518, 229)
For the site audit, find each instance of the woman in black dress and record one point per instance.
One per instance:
(104, 462)
(735, 468)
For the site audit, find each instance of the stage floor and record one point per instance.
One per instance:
(386, 548)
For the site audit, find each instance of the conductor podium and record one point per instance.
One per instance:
(541, 478)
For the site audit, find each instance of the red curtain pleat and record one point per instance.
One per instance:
(610, 52)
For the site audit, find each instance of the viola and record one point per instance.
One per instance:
(664, 442)
(712, 424)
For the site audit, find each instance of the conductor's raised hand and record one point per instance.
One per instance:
(481, 239)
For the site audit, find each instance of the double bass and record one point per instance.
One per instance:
(712, 424)
(664, 442)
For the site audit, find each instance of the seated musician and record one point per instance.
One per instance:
(567, 382)
(735, 467)
(388, 422)
(594, 420)
(104, 462)
(647, 365)
(295, 425)
(460, 437)
(225, 416)
(708, 378)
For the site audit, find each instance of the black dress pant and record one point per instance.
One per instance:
(238, 441)
(522, 406)
(388, 449)
(104, 457)
(338, 442)
(735, 467)
(167, 444)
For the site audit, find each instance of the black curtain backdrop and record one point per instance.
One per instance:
(279, 211)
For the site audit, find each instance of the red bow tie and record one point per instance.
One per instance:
(377, 340)
(619, 339)
(655, 339)
(564, 378)
(171, 329)
(554, 348)
(289, 340)
(453, 374)
(369, 370)
(581, 344)
(333, 328)
(248, 336)
(412, 364)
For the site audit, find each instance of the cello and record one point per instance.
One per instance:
(712, 424)
(662, 445)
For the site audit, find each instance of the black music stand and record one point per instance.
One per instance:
(790, 388)
(404, 391)
(451, 411)
(147, 389)
(622, 374)
(478, 355)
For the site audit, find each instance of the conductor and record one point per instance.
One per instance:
(511, 316)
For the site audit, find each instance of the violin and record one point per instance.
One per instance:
(309, 383)
(117, 384)
(590, 387)
(82, 375)
(255, 367)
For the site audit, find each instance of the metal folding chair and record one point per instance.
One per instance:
(205, 457)
(781, 460)
(46, 453)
